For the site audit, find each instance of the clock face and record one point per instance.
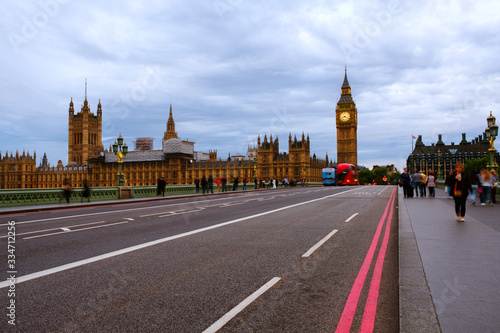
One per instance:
(344, 116)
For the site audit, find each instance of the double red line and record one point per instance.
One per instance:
(371, 303)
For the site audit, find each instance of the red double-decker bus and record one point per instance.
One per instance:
(346, 174)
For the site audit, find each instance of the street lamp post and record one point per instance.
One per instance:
(120, 150)
(491, 134)
(254, 163)
(439, 164)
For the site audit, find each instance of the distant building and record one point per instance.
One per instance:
(177, 161)
(441, 158)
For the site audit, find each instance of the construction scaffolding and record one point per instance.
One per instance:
(143, 144)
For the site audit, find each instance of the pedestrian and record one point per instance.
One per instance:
(494, 184)
(210, 183)
(245, 181)
(158, 181)
(405, 183)
(163, 185)
(424, 184)
(160, 186)
(218, 181)
(86, 191)
(417, 183)
(485, 189)
(223, 183)
(431, 184)
(66, 189)
(204, 184)
(460, 187)
(197, 184)
(432, 172)
(447, 185)
(235, 183)
(473, 180)
(256, 182)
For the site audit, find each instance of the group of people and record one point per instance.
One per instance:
(419, 182)
(67, 189)
(207, 184)
(458, 186)
(485, 183)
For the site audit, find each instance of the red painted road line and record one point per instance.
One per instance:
(352, 301)
(368, 322)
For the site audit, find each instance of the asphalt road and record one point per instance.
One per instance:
(241, 262)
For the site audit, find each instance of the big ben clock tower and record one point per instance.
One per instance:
(346, 116)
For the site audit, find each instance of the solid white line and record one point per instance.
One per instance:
(321, 242)
(240, 307)
(63, 232)
(40, 231)
(158, 241)
(351, 217)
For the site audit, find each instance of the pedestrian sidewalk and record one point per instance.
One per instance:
(449, 271)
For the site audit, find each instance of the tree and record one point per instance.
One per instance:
(365, 176)
(476, 165)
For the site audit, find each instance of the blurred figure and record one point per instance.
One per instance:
(431, 184)
(460, 187)
(494, 184)
(66, 189)
(473, 180)
(423, 187)
(417, 183)
(485, 190)
(86, 191)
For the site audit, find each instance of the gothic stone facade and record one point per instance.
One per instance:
(441, 158)
(176, 161)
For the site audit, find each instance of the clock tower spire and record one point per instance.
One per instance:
(346, 116)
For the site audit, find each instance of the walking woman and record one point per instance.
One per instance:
(460, 189)
(485, 181)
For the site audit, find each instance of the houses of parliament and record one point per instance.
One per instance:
(177, 161)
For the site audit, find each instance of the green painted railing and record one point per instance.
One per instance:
(26, 197)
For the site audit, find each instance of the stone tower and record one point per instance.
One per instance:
(346, 116)
(299, 151)
(84, 132)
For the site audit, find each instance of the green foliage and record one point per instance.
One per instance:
(366, 176)
(394, 178)
(476, 165)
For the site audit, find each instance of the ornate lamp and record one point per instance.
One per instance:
(491, 133)
(120, 150)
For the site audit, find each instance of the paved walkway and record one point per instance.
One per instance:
(449, 271)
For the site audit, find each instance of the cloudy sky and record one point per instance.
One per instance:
(234, 69)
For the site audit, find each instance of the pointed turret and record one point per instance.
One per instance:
(346, 82)
(99, 108)
(71, 107)
(345, 96)
(85, 103)
(170, 133)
